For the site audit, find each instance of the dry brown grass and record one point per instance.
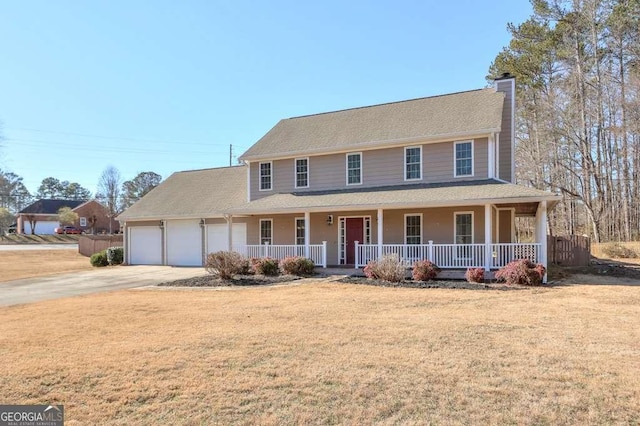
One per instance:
(329, 353)
(15, 265)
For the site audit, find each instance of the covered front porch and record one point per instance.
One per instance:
(453, 237)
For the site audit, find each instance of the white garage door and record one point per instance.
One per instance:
(145, 245)
(42, 227)
(217, 236)
(184, 243)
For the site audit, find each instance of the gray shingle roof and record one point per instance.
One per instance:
(50, 206)
(424, 195)
(457, 114)
(192, 194)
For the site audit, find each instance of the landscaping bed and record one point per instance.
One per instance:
(449, 284)
(239, 280)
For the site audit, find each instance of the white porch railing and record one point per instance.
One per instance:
(452, 256)
(317, 252)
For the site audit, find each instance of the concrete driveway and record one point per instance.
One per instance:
(30, 290)
(14, 247)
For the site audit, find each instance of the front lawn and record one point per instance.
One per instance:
(329, 353)
(18, 264)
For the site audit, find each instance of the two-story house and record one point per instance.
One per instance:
(429, 178)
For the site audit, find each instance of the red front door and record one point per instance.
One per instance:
(355, 232)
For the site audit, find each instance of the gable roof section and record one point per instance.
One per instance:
(453, 115)
(192, 194)
(45, 206)
(399, 196)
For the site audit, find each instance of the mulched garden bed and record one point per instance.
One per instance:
(240, 280)
(450, 284)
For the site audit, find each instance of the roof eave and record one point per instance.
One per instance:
(553, 199)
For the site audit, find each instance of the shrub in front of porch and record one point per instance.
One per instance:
(474, 275)
(388, 268)
(225, 264)
(297, 265)
(522, 272)
(425, 270)
(265, 266)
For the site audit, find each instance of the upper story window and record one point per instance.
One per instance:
(265, 176)
(413, 163)
(463, 158)
(354, 169)
(302, 172)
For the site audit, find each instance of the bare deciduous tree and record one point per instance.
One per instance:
(109, 191)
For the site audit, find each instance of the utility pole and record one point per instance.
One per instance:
(230, 154)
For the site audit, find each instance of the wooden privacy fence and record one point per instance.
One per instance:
(90, 244)
(568, 250)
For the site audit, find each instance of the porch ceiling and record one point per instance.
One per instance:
(402, 196)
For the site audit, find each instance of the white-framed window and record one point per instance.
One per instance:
(83, 221)
(463, 227)
(302, 172)
(413, 228)
(413, 163)
(266, 231)
(266, 176)
(300, 231)
(463, 158)
(354, 168)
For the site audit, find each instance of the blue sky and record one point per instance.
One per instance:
(166, 86)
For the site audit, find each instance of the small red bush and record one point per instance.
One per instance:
(523, 272)
(475, 275)
(424, 270)
(296, 265)
(265, 266)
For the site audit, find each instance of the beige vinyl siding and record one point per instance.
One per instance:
(380, 167)
(505, 141)
(437, 224)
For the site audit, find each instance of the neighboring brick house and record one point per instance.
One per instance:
(93, 217)
(428, 178)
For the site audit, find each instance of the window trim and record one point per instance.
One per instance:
(295, 231)
(346, 159)
(260, 231)
(473, 155)
(270, 175)
(405, 226)
(295, 172)
(406, 179)
(83, 219)
(455, 225)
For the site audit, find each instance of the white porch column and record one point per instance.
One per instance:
(541, 234)
(487, 238)
(491, 166)
(307, 233)
(380, 232)
(229, 219)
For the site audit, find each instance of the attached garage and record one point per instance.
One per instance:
(218, 236)
(45, 227)
(145, 245)
(184, 242)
